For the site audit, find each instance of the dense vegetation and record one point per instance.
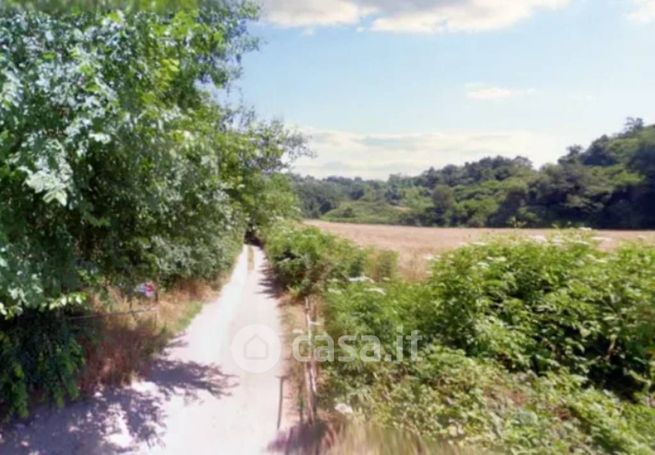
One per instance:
(116, 167)
(528, 346)
(609, 185)
(307, 260)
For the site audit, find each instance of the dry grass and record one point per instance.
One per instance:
(124, 344)
(417, 245)
(293, 320)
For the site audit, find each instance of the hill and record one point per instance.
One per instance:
(611, 184)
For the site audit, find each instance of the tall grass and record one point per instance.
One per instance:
(123, 345)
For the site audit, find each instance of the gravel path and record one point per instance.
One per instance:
(216, 388)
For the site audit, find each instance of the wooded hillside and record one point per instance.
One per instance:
(611, 184)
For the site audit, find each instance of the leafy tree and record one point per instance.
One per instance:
(116, 166)
(443, 198)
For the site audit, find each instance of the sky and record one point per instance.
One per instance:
(385, 87)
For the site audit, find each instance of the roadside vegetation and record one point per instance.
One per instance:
(528, 345)
(610, 185)
(118, 167)
(126, 333)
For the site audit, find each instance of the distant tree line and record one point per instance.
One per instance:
(611, 184)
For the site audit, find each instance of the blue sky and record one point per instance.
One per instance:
(392, 86)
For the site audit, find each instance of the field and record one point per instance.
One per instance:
(416, 245)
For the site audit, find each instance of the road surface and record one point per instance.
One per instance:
(215, 389)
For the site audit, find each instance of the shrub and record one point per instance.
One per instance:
(547, 305)
(306, 259)
(40, 353)
(529, 346)
(381, 264)
(470, 402)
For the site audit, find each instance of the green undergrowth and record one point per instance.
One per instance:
(366, 212)
(527, 346)
(40, 353)
(306, 260)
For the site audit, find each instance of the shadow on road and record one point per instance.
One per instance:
(118, 419)
(301, 439)
(269, 286)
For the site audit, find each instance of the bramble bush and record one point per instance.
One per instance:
(549, 305)
(116, 165)
(528, 346)
(306, 259)
(476, 403)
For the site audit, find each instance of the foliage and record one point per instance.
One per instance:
(477, 404)
(609, 185)
(528, 345)
(366, 212)
(381, 265)
(545, 305)
(38, 351)
(318, 197)
(116, 165)
(307, 260)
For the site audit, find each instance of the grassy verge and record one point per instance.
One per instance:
(293, 323)
(123, 346)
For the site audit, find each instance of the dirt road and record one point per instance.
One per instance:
(215, 390)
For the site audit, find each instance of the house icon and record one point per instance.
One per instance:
(256, 348)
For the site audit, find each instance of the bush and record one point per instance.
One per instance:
(40, 353)
(365, 211)
(547, 305)
(476, 403)
(529, 346)
(306, 259)
(382, 265)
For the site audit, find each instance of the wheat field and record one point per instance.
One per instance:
(417, 245)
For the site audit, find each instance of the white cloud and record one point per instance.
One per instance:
(643, 11)
(462, 16)
(378, 155)
(416, 16)
(311, 13)
(489, 92)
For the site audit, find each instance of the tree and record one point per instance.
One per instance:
(609, 184)
(117, 167)
(443, 198)
(633, 125)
